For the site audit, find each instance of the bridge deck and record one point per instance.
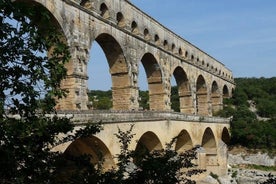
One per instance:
(82, 117)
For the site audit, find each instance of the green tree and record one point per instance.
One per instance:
(159, 166)
(30, 85)
(175, 99)
(29, 81)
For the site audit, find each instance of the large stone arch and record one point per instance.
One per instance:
(147, 143)
(225, 92)
(184, 90)
(55, 16)
(119, 71)
(94, 147)
(62, 24)
(209, 141)
(216, 99)
(210, 146)
(225, 136)
(201, 96)
(155, 82)
(184, 142)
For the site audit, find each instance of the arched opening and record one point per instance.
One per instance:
(225, 92)
(210, 146)
(186, 54)
(184, 92)
(104, 11)
(201, 96)
(94, 148)
(173, 47)
(156, 39)
(118, 70)
(49, 24)
(215, 98)
(134, 27)
(99, 80)
(184, 142)
(225, 136)
(180, 52)
(87, 4)
(146, 34)
(120, 19)
(165, 44)
(192, 58)
(154, 79)
(146, 144)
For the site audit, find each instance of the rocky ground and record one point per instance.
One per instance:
(239, 171)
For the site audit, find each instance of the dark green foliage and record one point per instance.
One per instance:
(262, 91)
(159, 166)
(246, 129)
(175, 99)
(30, 84)
(101, 100)
(144, 100)
(163, 166)
(270, 180)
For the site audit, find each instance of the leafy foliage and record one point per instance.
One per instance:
(247, 129)
(158, 166)
(28, 76)
(101, 100)
(30, 85)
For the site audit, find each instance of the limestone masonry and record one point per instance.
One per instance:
(128, 36)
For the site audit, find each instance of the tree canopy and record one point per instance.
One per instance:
(253, 108)
(32, 58)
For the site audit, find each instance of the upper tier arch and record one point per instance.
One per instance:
(128, 36)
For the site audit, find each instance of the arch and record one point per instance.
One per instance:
(86, 4)
(54, 19)
(192, 57)
(104, 12)
(225, 92)
(184, 142)
(180, 52)
(146, 34)
(184, 91)
(173, 47)
(216, 100)
(118, 67)
(120, 19)
(186, 54)
(147, 143)
(134, 27)
(225, 136)
(94, 147)
(156, 39)
(209, 141)
(155, 83)
(165, 44)
(201, 96)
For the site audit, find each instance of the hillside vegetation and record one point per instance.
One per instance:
(253, 112)
(252, 108)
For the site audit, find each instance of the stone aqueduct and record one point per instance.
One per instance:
(128, 37)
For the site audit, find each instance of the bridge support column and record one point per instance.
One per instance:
(216, 103)
(76, 80)
(186, 103)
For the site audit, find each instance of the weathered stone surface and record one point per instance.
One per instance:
(128, 36)
(256, 159)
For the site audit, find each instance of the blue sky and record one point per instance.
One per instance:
(239, 33)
